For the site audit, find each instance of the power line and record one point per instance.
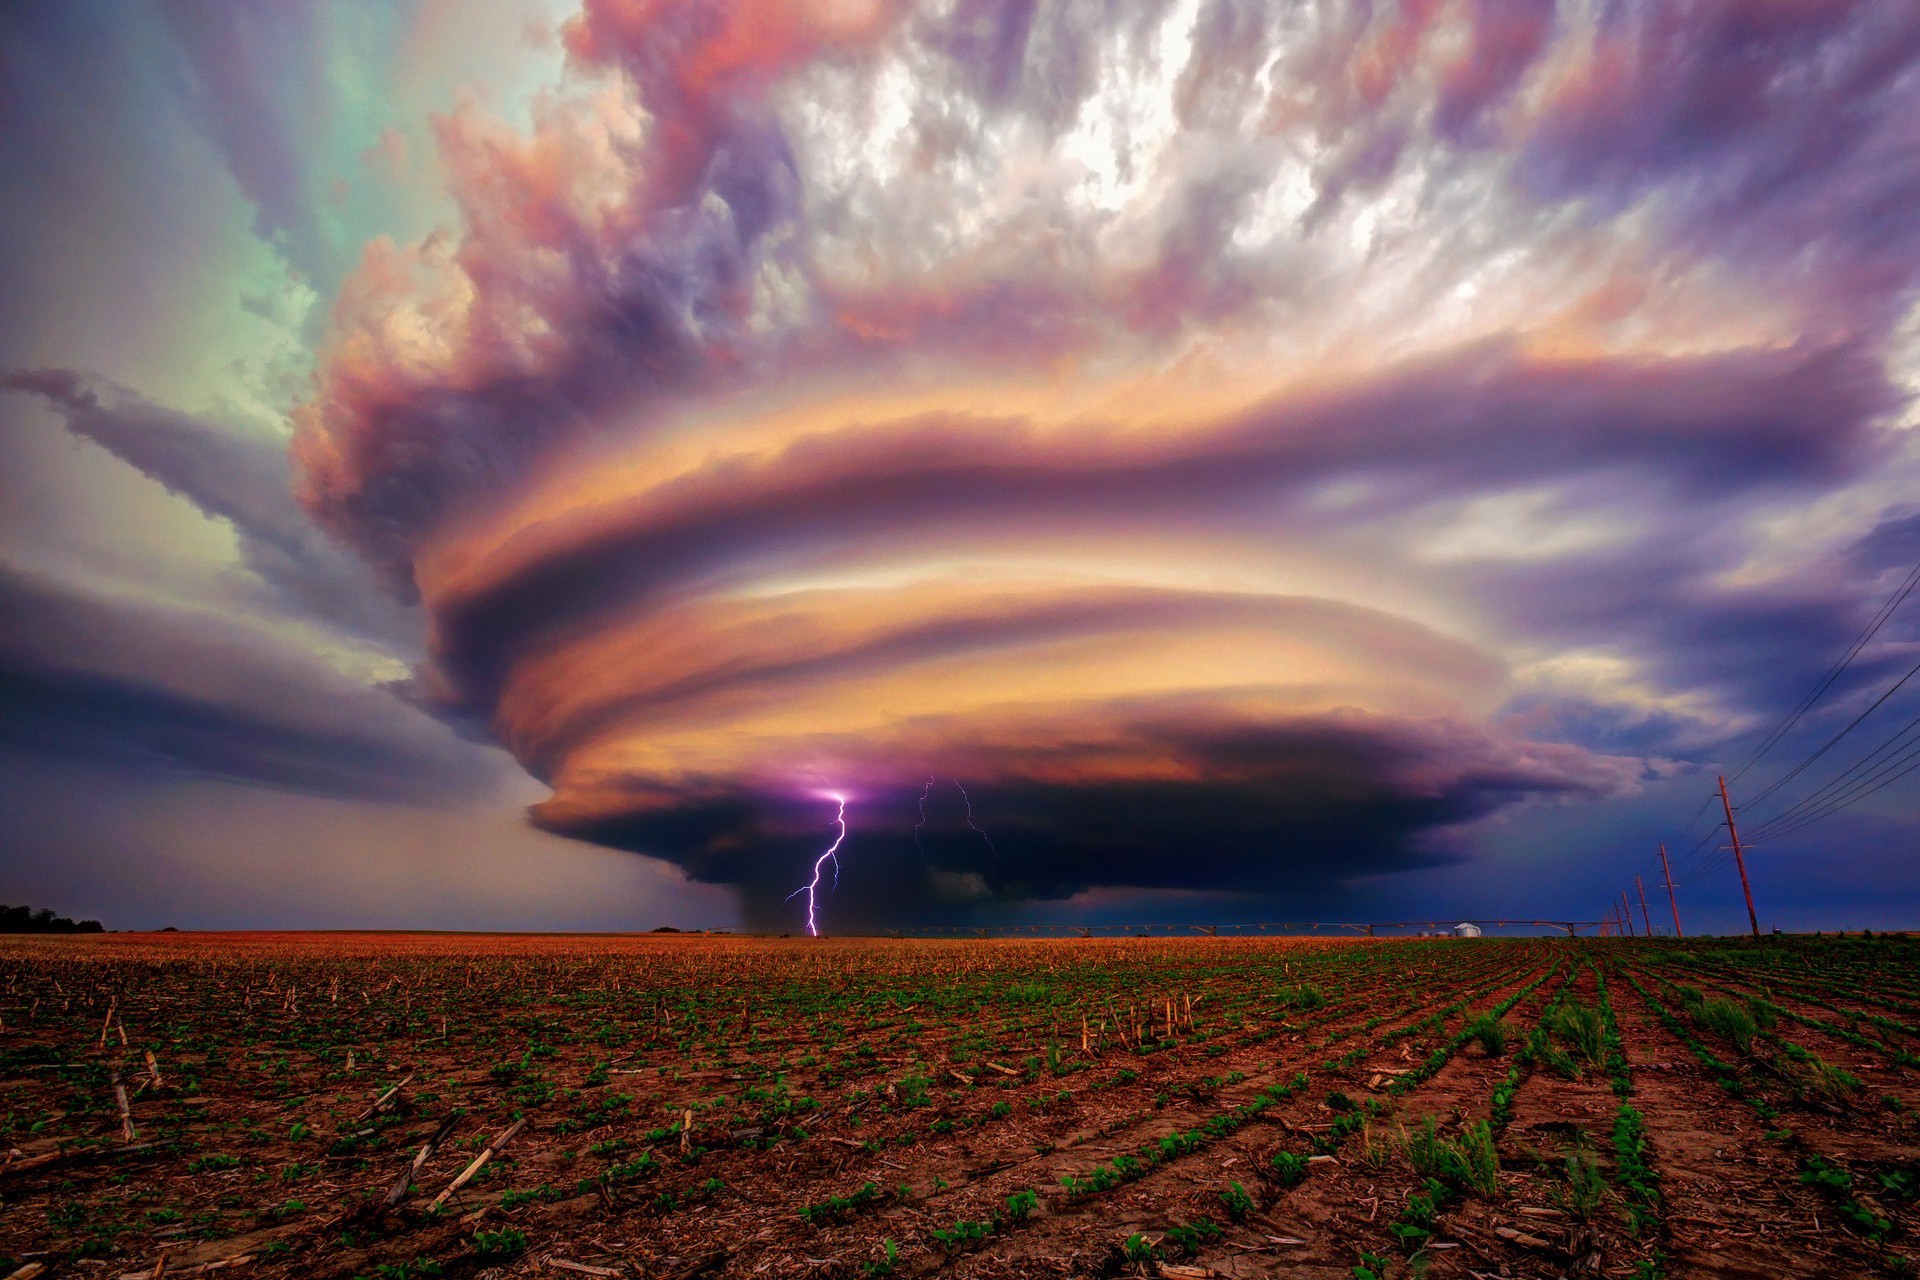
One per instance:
(1699, 844)
(1826, 682)
(1841, 780)
(1791, 774)
(1886, 775)
(1704, 802)
(1844, 789)
(1721, 857)
(1893, 758)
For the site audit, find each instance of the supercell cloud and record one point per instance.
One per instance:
(1225, 437)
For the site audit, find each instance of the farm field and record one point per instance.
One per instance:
(688, 1106)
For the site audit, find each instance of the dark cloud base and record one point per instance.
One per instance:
(1047, 844)
(1302, 810)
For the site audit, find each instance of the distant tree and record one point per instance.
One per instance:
(42, 920)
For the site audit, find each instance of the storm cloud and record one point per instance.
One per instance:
(153, 691)
(232, 476)
(1246, 446)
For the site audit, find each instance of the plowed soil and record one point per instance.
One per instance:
(682, 1106)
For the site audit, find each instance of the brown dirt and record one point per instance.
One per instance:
(1733, 1203)
(922, 1084)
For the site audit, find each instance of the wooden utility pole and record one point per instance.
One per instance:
(1641, 889)
(1671, 900)
(1626, 912)
(1739, 860)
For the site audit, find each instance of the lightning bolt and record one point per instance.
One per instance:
(971, 824)
(812, 887)
(983, 835)
(923, 819)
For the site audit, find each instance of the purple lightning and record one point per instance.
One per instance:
(983, 835)
(811, 888)
(971, 824)
(923, 819)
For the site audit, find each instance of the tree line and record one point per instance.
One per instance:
(42, 920)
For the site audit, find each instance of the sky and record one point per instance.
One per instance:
(541, 465)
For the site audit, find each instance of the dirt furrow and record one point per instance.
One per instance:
(1324, 1225)
(1734, 1206)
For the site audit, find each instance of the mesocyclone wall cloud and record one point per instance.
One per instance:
(1156, 417)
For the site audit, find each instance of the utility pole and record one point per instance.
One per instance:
(1671, 900)
(1642, 890)
(1739, 859)
(1626, 912)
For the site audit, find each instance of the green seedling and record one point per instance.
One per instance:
(508, 1242)
(1195, 1234)
(889, 1259)
(963, 1235)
